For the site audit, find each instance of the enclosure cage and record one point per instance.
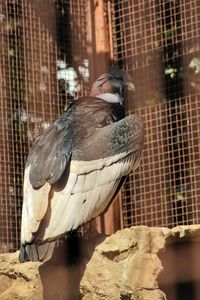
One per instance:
(51, 51)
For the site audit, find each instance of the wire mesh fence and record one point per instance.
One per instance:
(43, 64)
(45, 61)
(157, 41)
(165, 190)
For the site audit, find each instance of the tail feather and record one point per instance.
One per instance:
(36, 252)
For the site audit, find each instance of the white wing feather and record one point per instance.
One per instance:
(88, 191)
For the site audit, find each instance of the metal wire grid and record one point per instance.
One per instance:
(157, 41)
(162, 193)
(43, 65)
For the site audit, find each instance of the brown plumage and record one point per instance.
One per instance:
(77, 166)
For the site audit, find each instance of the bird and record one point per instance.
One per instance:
(77, 166)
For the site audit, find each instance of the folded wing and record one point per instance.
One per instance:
(90, 180)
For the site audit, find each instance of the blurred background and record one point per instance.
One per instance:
(50, 53)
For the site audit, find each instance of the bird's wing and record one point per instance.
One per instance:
(110, 154)
(51, 154)
(94, 174)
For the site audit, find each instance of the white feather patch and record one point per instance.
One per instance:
(111, 98)
(88, 190)
(87, 199)
(82, 167)
(34, 207)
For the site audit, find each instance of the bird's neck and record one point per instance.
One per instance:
(111, 98)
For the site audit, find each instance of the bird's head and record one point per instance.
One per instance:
(113, 85)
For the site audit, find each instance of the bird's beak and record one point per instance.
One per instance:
(131, 86)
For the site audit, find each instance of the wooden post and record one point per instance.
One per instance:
(99, 60)
(98, 39)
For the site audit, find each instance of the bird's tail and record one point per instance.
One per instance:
(36, 251)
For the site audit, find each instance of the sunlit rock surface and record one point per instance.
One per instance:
(123, 266)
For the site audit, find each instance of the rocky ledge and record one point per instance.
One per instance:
(122, 266)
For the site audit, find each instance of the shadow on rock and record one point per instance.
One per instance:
(61, 276)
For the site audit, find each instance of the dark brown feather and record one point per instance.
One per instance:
(52, 151)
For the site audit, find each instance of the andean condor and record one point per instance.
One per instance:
(76, 167)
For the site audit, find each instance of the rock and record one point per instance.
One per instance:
(19, 281)
(126, 265)
(123, 266)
